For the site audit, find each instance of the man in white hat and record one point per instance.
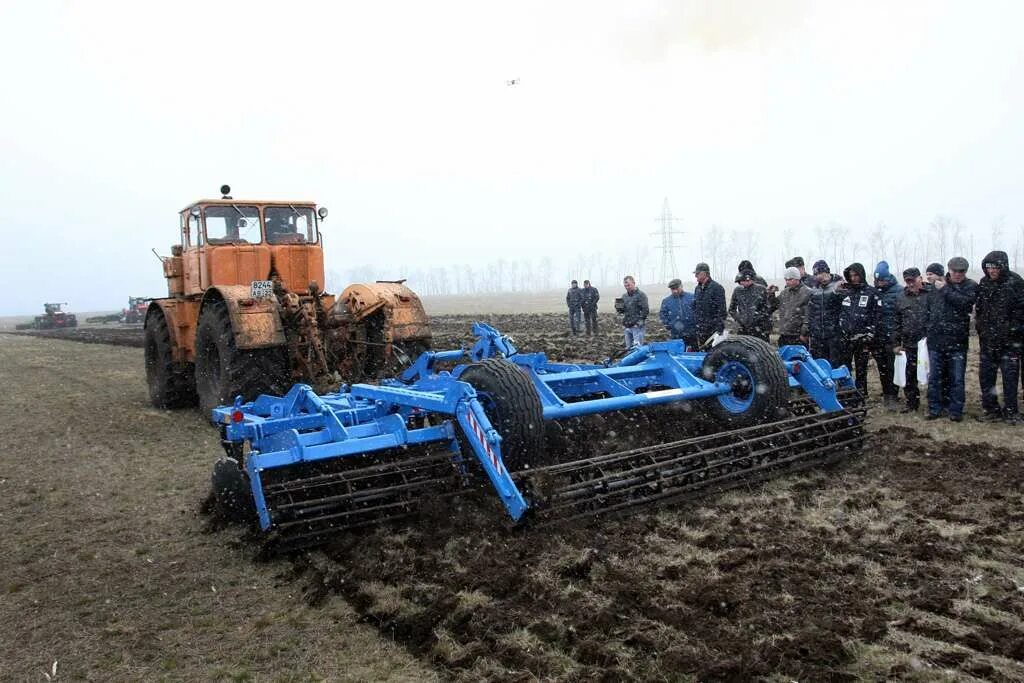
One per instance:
(791, 303)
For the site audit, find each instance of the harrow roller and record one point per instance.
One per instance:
(675, 471)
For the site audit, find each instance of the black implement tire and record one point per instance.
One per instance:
(171, 385)
(513, 407)
(232, 493)
(760, 392)
(224, 371)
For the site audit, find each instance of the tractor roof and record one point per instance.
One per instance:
(259, 202)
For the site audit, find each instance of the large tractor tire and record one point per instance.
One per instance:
(224, 371)
(170, 384)
(755, 371)
(513, 407)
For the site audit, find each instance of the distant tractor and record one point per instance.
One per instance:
(246, 314)
(52, 319)
(136, 311)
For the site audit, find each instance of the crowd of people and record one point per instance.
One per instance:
(851, 321)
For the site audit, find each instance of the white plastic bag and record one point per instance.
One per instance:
(922, 361)
(899, 369)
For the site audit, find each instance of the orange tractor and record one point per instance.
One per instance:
(245, 313)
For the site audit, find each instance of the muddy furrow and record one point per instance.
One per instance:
(835, 574)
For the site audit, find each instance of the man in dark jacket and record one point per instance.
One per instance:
(574, 300)
(823, 315)
(882, 346)
(590, 297)
(791, 303)
(910, 320)
(859, 307)
(806, 279)
(747, 267)
(750, 307)
(634, 313)
(999, 319)
(677, 314)
(708, 304)
(949, 319)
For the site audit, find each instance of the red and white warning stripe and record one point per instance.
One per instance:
(495, 460)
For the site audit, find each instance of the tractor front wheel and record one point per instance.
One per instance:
(171, 384)
(224, 371)
(757, 379)
(512, 406)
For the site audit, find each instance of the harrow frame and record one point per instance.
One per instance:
(428, 405)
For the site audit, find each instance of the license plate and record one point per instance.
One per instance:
(262, 289)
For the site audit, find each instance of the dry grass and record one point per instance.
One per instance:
(107, 568)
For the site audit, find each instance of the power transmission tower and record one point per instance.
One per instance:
(668, 243)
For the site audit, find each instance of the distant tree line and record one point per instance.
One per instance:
(721, 248)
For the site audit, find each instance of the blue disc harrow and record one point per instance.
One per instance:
(303, 467)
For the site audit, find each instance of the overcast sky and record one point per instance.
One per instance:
(758, 115)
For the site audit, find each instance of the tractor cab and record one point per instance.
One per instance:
(53, 309)
(230, 241)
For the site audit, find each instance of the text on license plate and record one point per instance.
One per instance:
(262, 289)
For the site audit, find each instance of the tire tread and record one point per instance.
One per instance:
(175, 387)
(522, 425)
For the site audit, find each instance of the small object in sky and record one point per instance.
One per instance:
(514, 81)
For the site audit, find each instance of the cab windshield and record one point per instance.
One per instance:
(290, 224)
(233, 224)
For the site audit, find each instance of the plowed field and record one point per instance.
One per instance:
(903, 563)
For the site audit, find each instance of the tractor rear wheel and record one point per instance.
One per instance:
(757, 375)
(224, 371)
(170, 384)
(513, 407)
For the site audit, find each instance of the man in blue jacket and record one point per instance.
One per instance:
(677, 314)
(949, 319)
(882, 348)
(858, 306)
(708, 304)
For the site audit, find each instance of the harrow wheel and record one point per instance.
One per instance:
(232, 492)
(758, 379)
(513, 407)
(224, 371)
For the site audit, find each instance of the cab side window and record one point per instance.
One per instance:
(192, 222)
